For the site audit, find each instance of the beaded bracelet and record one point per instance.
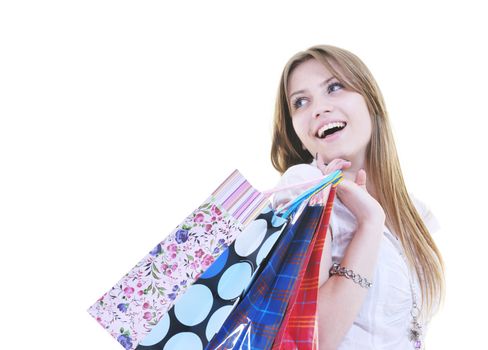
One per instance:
(336, 269)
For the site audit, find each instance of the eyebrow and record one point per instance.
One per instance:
(321, 84)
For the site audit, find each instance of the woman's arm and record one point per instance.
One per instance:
(340, 299)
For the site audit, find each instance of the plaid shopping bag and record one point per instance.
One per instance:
(136, 304)
(299, 330)
(256, 320)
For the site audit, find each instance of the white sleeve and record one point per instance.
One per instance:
(293, 175)
(429, 219)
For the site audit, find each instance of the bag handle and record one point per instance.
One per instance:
(288, 187)
(333, 178)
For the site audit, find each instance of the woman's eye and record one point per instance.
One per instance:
(331, 88)
(335, 84)
(297, 104)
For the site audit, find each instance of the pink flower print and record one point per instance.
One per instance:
(168, 272)
(199, 253)
(173, 255)
(174, 266)
(139, 285)
(216, 210)
(145, 305)
(214, 218)
(147, 316)
(194, 265)
(207, 260)
(208, 227)
(128, 291)
(172, 247)
(164, 266)
(199, 218)
(141, 292)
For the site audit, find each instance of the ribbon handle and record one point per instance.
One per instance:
(333, 178)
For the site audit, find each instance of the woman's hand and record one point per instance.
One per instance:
(354, 195)
(340, 300)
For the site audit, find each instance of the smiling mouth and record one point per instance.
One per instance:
(330, 129)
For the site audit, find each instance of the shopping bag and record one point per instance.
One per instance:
(136, 304)
(299, 329)
(200, 313)
(255, 321)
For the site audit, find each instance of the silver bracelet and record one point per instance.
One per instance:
(336, 269)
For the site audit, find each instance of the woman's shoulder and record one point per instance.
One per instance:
(426, 213)
(299, 173)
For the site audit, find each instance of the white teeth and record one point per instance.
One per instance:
(323, 129)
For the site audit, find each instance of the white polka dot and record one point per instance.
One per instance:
(234, 280)
(194, 305)
(250, 239)
(185, 340)
(267, 246)
(217, 320)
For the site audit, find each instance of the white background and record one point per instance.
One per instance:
(119, 118)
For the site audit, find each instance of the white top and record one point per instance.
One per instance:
(384, 319)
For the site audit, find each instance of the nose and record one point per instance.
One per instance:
(323, 106)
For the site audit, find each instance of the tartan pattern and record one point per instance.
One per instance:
(299, 330)
(256, 320)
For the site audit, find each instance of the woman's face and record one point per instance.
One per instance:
(326, 117)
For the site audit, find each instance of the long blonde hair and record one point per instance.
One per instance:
(382, 164)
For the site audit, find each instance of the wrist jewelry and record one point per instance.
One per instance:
(336, 269)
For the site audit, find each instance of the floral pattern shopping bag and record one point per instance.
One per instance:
(135, 305)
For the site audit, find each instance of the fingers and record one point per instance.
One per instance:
(361, 178)
(345, 187)
(339, 164)
(336, 164)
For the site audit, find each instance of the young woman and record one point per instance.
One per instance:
(330, 115)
